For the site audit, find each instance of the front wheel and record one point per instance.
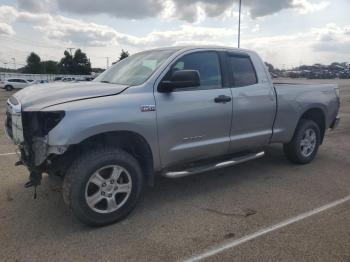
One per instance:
(103, 186)
(9, 88)
(304, 145)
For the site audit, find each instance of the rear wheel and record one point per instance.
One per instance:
(9, 88)
(103, 186)
(304, 145)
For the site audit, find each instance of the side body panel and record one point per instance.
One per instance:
(295, 99)
(254, 109)
(121, 112)
(191, 126)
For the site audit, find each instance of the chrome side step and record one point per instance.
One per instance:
(213, 166)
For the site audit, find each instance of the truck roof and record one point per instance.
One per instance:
(191, 47)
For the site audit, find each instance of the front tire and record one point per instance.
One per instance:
(103, 186)
(9, 88)
(304, 145)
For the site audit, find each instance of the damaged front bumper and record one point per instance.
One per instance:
(29, 131)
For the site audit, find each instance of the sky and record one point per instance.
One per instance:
(286, 33)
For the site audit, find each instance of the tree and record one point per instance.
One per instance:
(49, 67)
(269, 66)
(78, 64)
(33, 64)
(66, 63)
(81, 64)
(123, 54)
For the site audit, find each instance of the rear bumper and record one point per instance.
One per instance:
(335, 123)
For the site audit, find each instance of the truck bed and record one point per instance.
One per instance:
(294, 99)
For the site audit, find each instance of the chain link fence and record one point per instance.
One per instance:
(48, 77)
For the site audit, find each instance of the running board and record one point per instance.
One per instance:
(214, 166)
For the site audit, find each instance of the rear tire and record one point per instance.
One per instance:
(9, 88)
(108, 176)
(304, 145)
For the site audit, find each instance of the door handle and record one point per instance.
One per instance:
(222, 99)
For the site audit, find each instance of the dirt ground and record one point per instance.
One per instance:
(177, 219)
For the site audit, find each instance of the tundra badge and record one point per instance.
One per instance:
(147, 108)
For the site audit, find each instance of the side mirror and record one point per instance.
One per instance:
(180, 79)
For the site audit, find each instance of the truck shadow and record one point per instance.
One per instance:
(50, 211)
(184, 188)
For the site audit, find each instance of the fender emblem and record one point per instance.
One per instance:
(192, 138)
(147, 108)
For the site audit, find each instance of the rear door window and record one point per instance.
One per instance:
(242, 70)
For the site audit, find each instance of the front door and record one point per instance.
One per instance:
(192, 124)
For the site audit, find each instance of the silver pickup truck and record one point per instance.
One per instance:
(172, 111)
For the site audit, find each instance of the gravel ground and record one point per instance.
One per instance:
(179, 218)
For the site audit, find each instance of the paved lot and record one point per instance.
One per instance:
(180, 218)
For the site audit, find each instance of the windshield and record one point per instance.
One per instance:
(135, 69)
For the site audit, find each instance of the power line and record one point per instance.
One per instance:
(14, 62)
(107, 57)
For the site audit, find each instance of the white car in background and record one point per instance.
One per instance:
(68, 79)
(14, 83)
(41, 82)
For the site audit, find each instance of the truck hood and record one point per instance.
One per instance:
(39, 96)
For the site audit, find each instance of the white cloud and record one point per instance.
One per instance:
(332, 39)
(306, 6)
(256, 28)
(79, 32)
(190, 11)
(319, 45)
(7, 14)
(6, 29)
(34, 5)
(331, 42)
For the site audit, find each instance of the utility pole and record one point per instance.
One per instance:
(107, 57)
(70, 50)
(239, 24)
(14, 62)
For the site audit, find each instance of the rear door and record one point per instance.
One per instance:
(254, 102)
(192, 123)
(22, 83)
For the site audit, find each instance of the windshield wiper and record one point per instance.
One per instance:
(104, 81)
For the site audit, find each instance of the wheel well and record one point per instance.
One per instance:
(316, 115)
(131, 142)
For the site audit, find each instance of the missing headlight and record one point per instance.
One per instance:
(51, 119)
(39, 124)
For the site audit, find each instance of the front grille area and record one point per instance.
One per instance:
(8, 125)
(13, 122)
